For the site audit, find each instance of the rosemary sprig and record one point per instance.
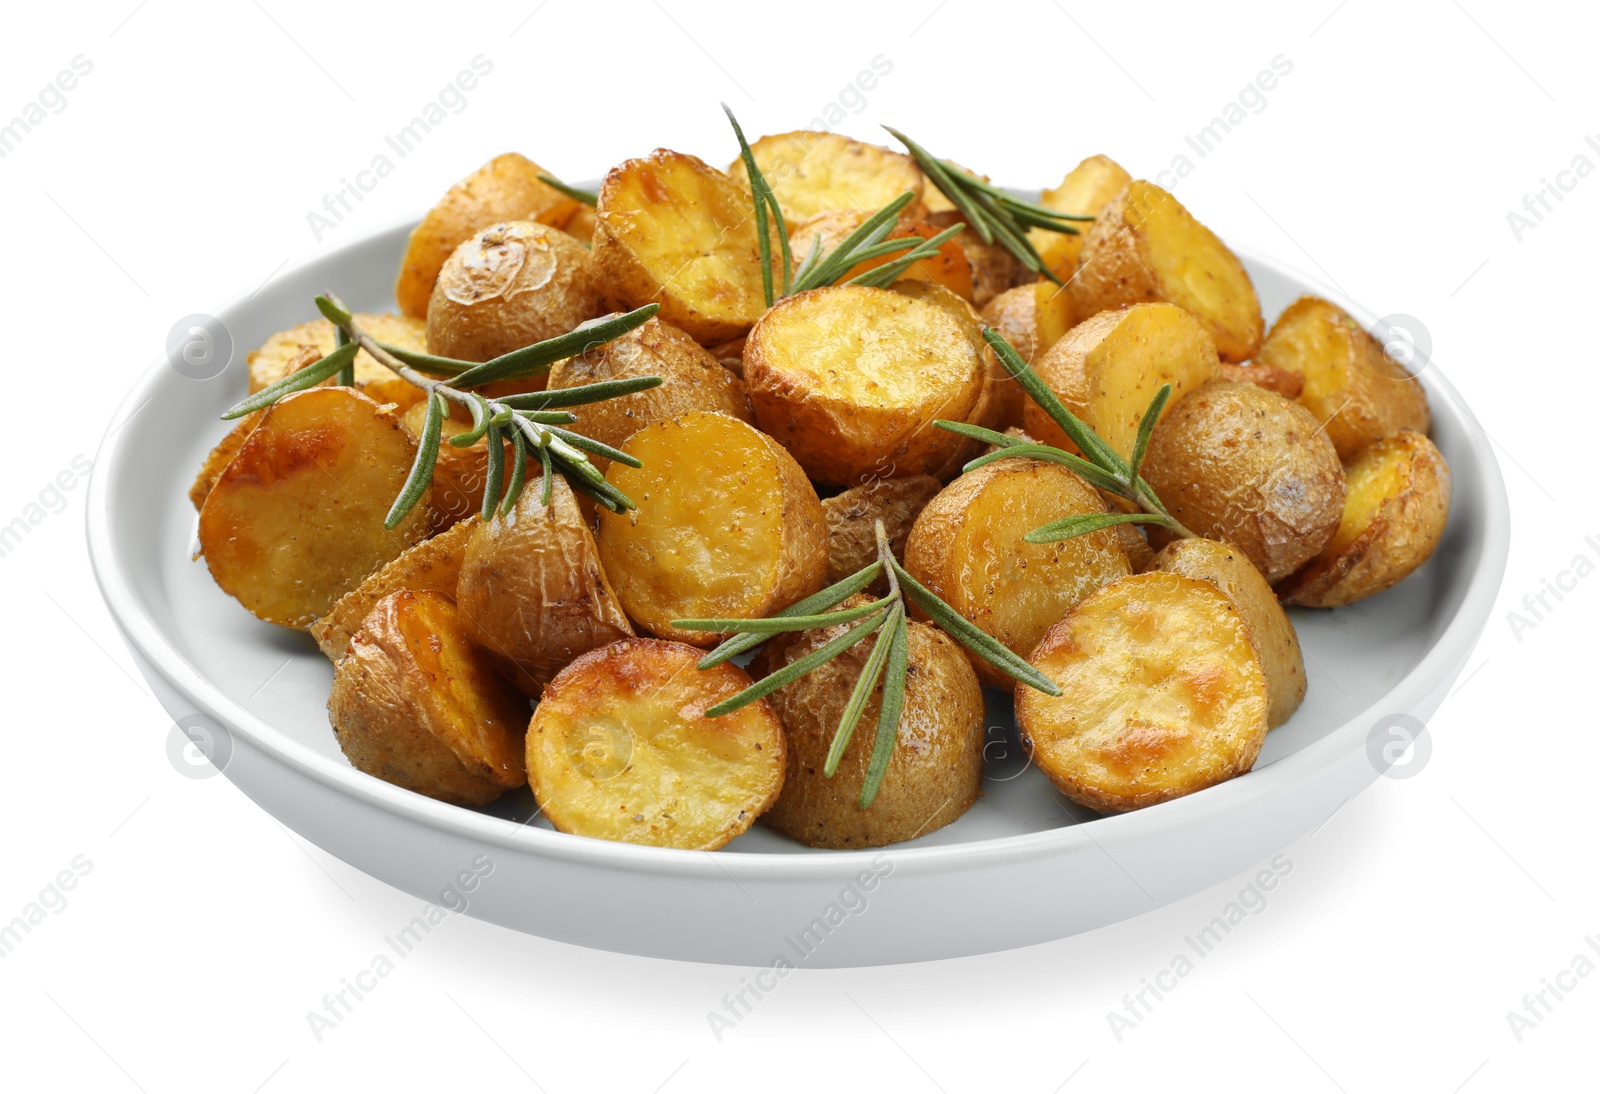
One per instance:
(765, 203)
(588, 197)
(531, 421)
(886, 618)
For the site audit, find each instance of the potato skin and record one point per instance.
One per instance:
(1395, 513)
(811, 172)
(293, 349)
(1084, 191)
(1237, 463)
(994, 270)
(937, 764)
(415, 704)
(1281, 380)
(852, 515)
(1032, 317)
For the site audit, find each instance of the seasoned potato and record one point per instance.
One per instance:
(1163, 694)
(293, 349)
(1236, 463)
(620, 748)
(967, 546)
(994, 270)
(1031, 317)
(811, 172)
(1281, 380)
(1229, 570)
(533, 588)
(1145, 246)
(1084, 191)
(295, 520)
(460, 475)
(937, 764)
(505, 188)
(673, 230)
(1396, 505)
(432, 566)
(1001, 402)
(850, 380)
(853, 515)
(1356, 389)
(1108, 368)
(692, 379)
(511, 285)
(581, 226)
(219, 458)
(417, 705)
(828, 229)
(727, 526)
(1133, 543)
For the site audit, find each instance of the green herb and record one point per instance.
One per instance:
(588, 197)
(765, 203)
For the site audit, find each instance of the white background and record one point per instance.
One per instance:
(181, 172)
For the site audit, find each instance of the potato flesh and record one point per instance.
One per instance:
(1163, 694)
(1083, 191)
(811, 172)
(293, 349)
(620, 749)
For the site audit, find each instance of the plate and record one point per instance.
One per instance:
(1022, 866)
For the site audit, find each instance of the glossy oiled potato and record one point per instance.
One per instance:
(1031, 317)
(1001, 401)
(853, 514)
(811, 172)
(1396, 505)
(827, 230)
(293, 349)
(727, 527)
(417, 705)
(968, 547)
(620, 748)
(1145, 246)
(937, 763)
(295, 520)
(1163, 694)
(460, 475)
(218, 459)
(532, 586)
(1237, 463)
(1085, 191)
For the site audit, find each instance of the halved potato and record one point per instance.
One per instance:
(1084, 191)
(967, 546)
(293, 349)
(1145, 246)
(811, 172)
(1359, 393)
(1397, 503)
(1163, 694)
(620, 748)
(1001, 402)
(853, 515)
(581, 226)
(671, 229)
(727, 527)
(295, 520)
(1031, 317)
(828, 229)
(505, 188)
(460, 475)
(416, 704)
(218, 459)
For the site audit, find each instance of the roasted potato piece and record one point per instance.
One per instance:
(1163, 694)
(673, 230)
(1237, 463)
(1397, 503)
(1108, 368)
(1084, 191)
(1356, 389)
(1001, 402)
(293, 349)
(967, 545)
(811, 172)
(620, 748)
(505, 188)
(850, 380)
(295, 520)
(853, 515)
(728, 527)
(533, 588)
(994, 270)
(219, 458)
(937, 764)
(416, 704)
(828, 229)
(581, 226)
(1031, 317)
(1133, 544)
(1281, 380)
(1145, 246)
(1229, 570)
(460, 475)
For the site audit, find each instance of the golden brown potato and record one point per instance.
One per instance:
(1237, 463)
(1396, 506)
(811, 172)
(1281, 380)
(828, 229)
(937, 764)
(533, 589)
(219, 458)
(295, 520)
(1031, 317)
(968, 547)
(1229, 570)
(1133, 543)
(293, 349)
(1352, 386)
(505, 188)
(1163, 694)
(460, 475)
(1145, 246)
(581, 226)
(850, 380)
(1108, 368)
(1001, 402)
(853, 515)
(1084, 191)
(620, 749)
(728, 527)
(994, 270)
(672, 230)
(417, 705)
(509, 286)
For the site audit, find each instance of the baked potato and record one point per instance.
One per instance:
(581, 226)
(416, 704)
(828, 229)
(811, 172)
(994, 269)
(1032, 317)
(218, 459)
(460, 475)
(1163, 694)
(1084, 191)
(727, 527)
(1397, 502)
(620, 748)
(1145, 246)
(852, 516)
(1281, 380)
(1001, 402)
(293, 349)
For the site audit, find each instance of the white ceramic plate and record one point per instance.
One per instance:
(1021, 867)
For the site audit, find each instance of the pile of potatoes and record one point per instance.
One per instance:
(538, 648)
